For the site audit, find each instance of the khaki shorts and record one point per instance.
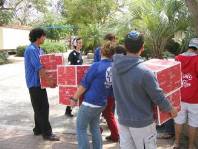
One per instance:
(138, 138)
(188, 113)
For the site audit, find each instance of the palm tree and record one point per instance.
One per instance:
(192, 6)
(159, 20)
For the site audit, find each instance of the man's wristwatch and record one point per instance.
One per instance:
(74, 99)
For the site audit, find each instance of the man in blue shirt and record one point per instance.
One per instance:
(97, 51)
(39, 99)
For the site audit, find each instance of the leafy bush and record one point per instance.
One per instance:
(3, 57)
(188, 35)
(53, 47)
(20, 50)
(48, 47)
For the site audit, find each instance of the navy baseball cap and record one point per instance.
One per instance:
(193, 43)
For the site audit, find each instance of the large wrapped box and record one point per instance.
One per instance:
(175, 100)
(52, 75)
(50, 63)
(168, 73)
(69, 76)
(65, 93)
(169, 76)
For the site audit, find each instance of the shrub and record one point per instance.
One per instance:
(48, 47)
(20, 51)
(54, 47)
(3, 57)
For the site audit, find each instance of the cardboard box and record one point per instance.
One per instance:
(71, 75)
(81, 71)
(168, 73)
(64, 95)
(52, 75)
(175, 100)
(50, 63)
(59, 59)
(169, 76)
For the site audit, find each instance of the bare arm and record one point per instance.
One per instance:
(78, 93)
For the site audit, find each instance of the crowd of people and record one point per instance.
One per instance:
(117, 78)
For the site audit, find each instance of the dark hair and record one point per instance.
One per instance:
(134, 42)
(75, 40)
(109, 36)
(193, 48)
(36, 33)
(120, 49)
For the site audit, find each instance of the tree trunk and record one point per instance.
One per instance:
(192, 6)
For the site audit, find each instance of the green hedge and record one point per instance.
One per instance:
(48, 47)
(20, 50)
(3, 57)
(54, 47)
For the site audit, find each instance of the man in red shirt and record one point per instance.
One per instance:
(189, 94)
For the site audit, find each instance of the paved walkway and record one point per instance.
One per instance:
(16, 116)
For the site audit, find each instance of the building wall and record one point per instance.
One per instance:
(12, 38)
(1, 38)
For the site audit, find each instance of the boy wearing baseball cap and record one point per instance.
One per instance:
(189, 94)
(135, 90)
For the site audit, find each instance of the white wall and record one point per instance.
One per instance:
(12, 38)
(1, 38)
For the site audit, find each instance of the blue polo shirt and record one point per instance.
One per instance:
(32, 65)
(98, 82)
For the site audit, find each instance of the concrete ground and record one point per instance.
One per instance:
(16, 115)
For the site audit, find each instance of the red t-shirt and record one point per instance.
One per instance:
(189, 67)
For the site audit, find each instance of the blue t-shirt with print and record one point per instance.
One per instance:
(98, 82)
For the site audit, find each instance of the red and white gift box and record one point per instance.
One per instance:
(50, 63)
(65, 93)
(52, 75)
(175, 100)
(68, 78)
(168, 74)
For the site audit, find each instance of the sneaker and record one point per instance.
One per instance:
(51, 137)
(69, 114)
(37, 133)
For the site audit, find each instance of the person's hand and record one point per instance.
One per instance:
(173, 112)
(51, 83)
(74, 99)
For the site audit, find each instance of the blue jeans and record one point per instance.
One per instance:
(89, 116)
